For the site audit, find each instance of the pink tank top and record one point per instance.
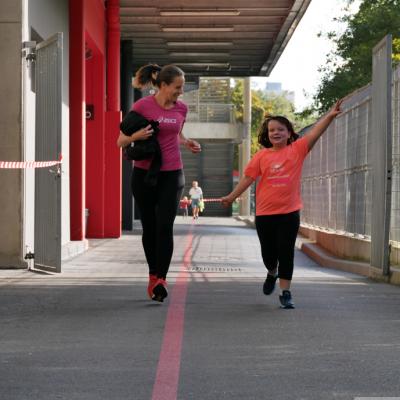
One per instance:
(171, 123)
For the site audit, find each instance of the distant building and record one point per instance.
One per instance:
(276, 89)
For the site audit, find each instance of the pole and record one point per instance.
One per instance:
(246, 144)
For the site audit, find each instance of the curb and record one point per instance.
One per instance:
(328, 260)
(248, 220)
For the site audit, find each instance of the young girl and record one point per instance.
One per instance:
(183, 205)
(278, 200)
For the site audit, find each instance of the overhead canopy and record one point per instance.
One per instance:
(210, 37)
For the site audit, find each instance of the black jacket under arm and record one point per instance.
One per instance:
(143, 149)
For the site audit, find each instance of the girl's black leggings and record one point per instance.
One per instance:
(158, 206)
(277, 234)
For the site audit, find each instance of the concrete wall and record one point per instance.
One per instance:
(342, 246)
(346, 253)
(213, 130)
(346, 246)
(10, 133)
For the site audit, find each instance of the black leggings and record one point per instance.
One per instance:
(277, 234)
(158, 206)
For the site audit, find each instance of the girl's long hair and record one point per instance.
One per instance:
(263, 137)
(154, 75)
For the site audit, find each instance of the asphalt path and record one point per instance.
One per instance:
(91, 333)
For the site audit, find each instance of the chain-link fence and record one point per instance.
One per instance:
(336, 184)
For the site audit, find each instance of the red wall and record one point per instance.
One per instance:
(95, 161)
(95, 23)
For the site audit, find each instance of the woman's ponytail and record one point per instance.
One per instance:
(153, 74)
(146, 75)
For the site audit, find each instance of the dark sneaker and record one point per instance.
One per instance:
(286, 299)
(160, 290)
(269, 284)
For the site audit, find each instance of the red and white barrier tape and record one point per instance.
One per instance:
(28, 164)
(216, 200)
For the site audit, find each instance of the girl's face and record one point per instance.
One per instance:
(278, 134)
(174, 89)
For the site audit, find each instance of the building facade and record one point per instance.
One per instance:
(63, 59)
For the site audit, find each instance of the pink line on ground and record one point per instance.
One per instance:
(167, 377)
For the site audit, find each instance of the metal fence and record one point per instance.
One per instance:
(336, 184)
(395, 210)
(211, 112)
(211, 102)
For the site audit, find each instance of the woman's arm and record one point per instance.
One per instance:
(243, 184)
(190, 144)
(320, 127)
(141, 134)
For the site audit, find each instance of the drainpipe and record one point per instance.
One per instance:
(77, 119)
(113, 56)
(113, 187)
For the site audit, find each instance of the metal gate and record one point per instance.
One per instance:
(48, 148)
(212, 168)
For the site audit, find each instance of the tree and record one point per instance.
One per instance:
(349, 67)
(258, 109)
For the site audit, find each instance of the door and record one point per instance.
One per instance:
(48, 148)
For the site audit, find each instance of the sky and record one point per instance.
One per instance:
(297, 68)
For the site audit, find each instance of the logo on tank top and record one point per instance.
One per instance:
(275, 168)
(167, 120)
(275, 179)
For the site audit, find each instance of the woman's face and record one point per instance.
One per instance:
(174, 89)
(278, 134)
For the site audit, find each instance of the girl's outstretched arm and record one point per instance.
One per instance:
(320, 127)
(243, 184)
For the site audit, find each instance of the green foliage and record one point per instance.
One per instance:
(349, 67)
(237, 99)
(396, 51)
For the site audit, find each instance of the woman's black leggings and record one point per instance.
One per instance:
(277, 234)
(158, 206)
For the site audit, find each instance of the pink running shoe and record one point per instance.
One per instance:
(160, 290)
(150, 286)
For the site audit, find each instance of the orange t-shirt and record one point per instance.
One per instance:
(278, 191)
